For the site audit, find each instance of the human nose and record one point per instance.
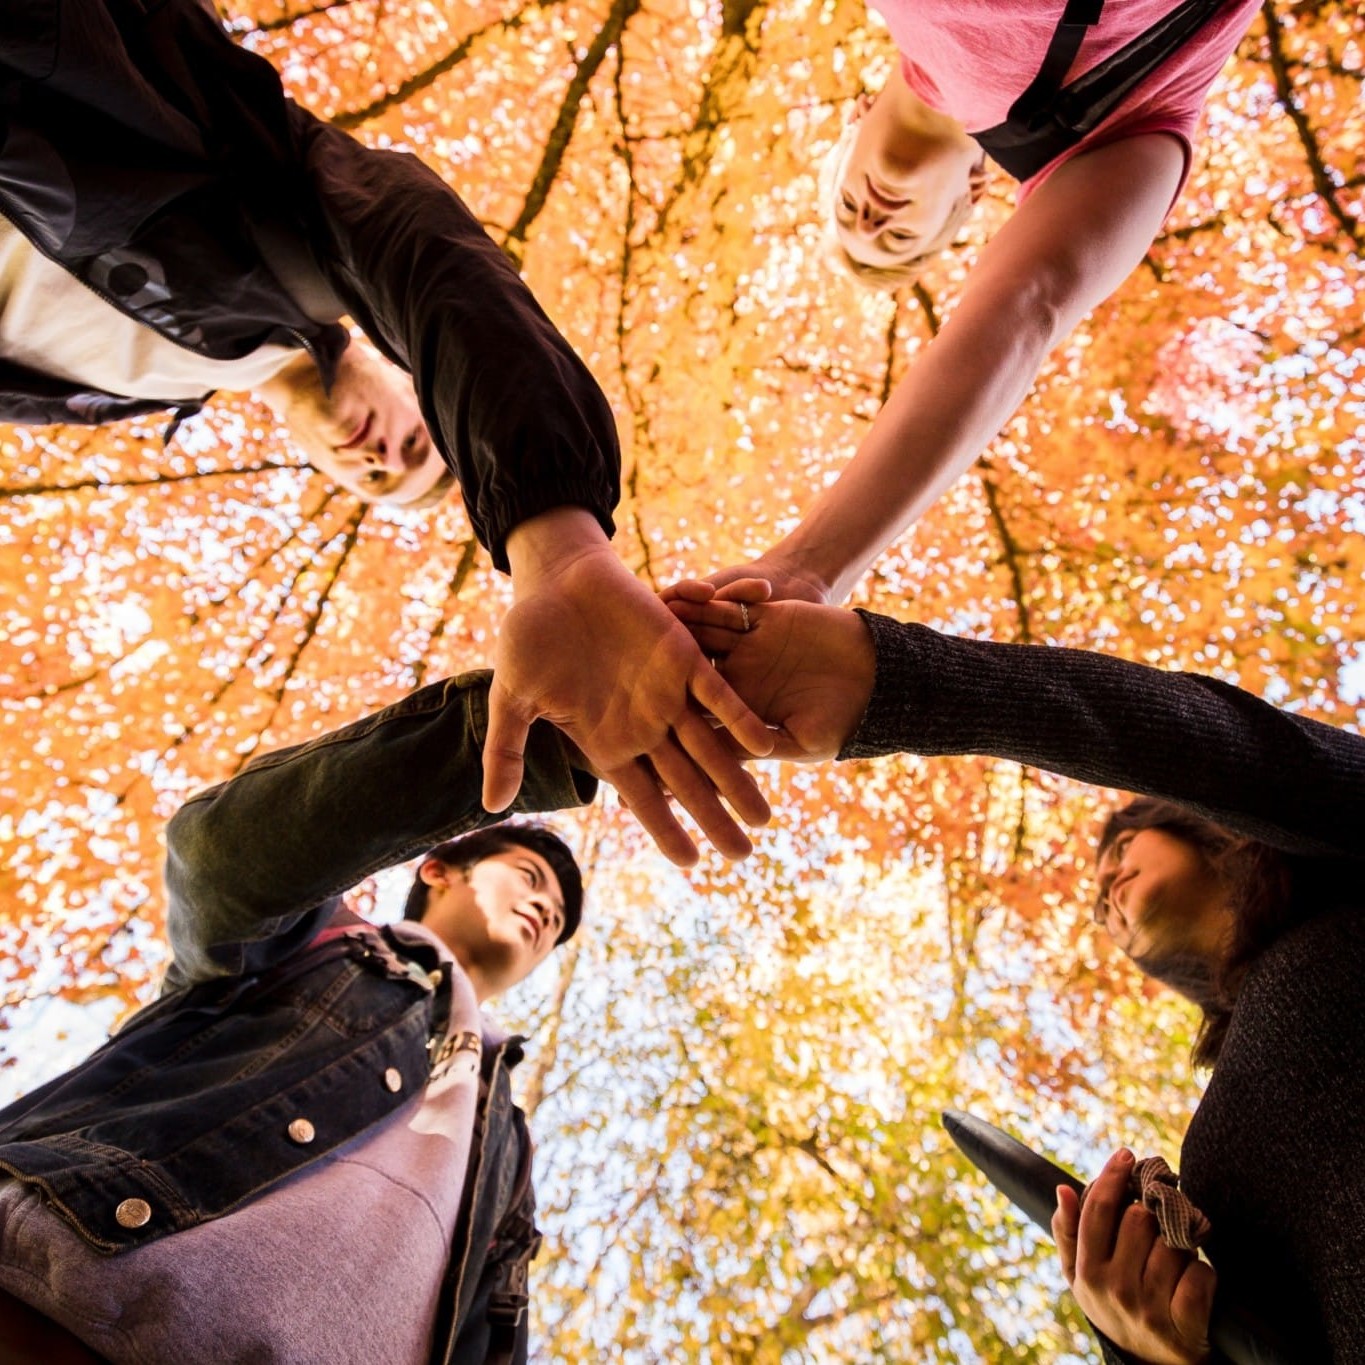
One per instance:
(1115, 925)
(384, 450)
(403, 447)
(551, 920)
(870, 220)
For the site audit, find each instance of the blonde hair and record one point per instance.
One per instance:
(886, 278)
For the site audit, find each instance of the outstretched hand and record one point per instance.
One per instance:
(1147, 1298)
(806, 669)
(590, 648)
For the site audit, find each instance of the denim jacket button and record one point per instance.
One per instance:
(302, 1131)
(393, 1078)
(133, 1213)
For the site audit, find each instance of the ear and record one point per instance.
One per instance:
(861, 105)
(435, 873)
(977, 179)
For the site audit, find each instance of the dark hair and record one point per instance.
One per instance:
(1257, 879)
(469, 849)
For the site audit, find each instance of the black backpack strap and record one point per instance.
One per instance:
(1035, 102)
(1049, 118)
(1091, 98)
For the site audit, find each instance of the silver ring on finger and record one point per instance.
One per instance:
(744, 616)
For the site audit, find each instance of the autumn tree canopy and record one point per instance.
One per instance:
(735, 1074)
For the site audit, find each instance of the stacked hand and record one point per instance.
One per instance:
(1147, 1298)
(786, 582)
(588, 647)
(806, 669)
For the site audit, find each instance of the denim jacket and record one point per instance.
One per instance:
(264, 1053)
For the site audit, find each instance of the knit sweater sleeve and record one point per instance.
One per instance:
(1295, 784)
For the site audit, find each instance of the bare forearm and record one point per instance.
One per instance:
(950, 406)
(548, 542)
(1066, 249)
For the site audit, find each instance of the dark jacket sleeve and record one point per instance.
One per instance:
(1111, 1353)
(1293, 783)
(515, 412)
(253, 865)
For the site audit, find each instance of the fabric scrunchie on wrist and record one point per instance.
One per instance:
(1156, 1187)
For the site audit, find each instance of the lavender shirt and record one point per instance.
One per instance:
(341, 1262)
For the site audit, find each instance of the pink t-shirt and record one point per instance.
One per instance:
(973, 58)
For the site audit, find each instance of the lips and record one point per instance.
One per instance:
(358, 435)
(532, 921)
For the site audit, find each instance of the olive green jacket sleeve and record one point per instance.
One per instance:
(255, 864)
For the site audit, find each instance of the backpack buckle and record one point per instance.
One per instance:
(507, 1310)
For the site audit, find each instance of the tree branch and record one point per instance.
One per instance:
(1009, 552)
(730, 67)
(289, 20)
(314, 620)
(457, 581)
(608, 36)
(414, 85)
(1284, 88)
(644, 436)
(226, 683)
(34, 490)
(547, 1050)
(926, 302)
(889, 369)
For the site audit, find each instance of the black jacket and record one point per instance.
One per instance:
(162, 165)
(1273, 1154)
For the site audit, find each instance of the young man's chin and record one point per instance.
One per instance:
(434, 495)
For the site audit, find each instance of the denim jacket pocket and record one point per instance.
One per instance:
(197, 1110)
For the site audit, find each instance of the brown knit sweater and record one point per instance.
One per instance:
(1275, 1154)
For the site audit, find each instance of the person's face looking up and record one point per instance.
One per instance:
(366, 435)
(902, 180)
(1156, 891)
(501, 918)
